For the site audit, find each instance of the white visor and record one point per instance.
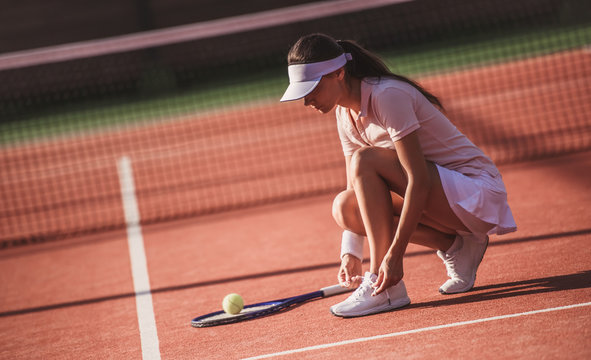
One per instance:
(303, 78)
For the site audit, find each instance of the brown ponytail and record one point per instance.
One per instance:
(319, 47)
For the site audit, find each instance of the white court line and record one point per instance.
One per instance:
(414, 331)
(139, 267)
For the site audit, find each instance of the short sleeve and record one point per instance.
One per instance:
(394, 109)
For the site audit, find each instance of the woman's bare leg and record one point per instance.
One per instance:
(375, 173)
(429, 233)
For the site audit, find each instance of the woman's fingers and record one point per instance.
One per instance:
(342, 277)
(349, 272)
(378, 285)
(345, 276)
(356, 280)
(389, 274)
(386, 282)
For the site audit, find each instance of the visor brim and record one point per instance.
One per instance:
(298, 90)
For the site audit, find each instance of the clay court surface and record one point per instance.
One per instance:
(75, 298)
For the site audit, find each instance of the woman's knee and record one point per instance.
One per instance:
(371, 159)
(344, 208)
(369, 162)
(362, 160)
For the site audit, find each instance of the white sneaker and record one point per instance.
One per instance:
(361, 302)
(463, 262)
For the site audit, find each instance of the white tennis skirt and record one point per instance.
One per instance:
(480, 202)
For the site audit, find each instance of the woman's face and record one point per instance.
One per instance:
(326, 94)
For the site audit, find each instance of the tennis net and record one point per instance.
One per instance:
(195, 107)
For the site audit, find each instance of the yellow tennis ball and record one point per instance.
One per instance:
(233, 304)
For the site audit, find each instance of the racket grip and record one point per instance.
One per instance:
(334, 290)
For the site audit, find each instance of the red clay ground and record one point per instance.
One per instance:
(74, 299)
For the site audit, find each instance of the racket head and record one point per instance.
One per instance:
(248, 312)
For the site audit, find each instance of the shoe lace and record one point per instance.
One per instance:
(362, 289)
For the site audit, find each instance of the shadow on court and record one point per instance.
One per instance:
(580, 280)
(511, 289)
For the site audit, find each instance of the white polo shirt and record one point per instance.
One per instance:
(392, 109)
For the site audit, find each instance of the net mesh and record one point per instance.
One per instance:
(196, 108)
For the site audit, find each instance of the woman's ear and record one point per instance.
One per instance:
(339, 74)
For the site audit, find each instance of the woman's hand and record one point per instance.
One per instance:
(350, 272)
(389, 274)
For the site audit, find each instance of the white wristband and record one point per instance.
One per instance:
(352, 244)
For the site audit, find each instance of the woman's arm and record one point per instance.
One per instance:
(419, 183)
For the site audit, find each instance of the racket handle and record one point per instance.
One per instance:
(334, 290)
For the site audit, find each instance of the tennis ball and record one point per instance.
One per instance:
(233, 304)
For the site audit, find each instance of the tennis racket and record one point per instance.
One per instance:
(265, 308)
